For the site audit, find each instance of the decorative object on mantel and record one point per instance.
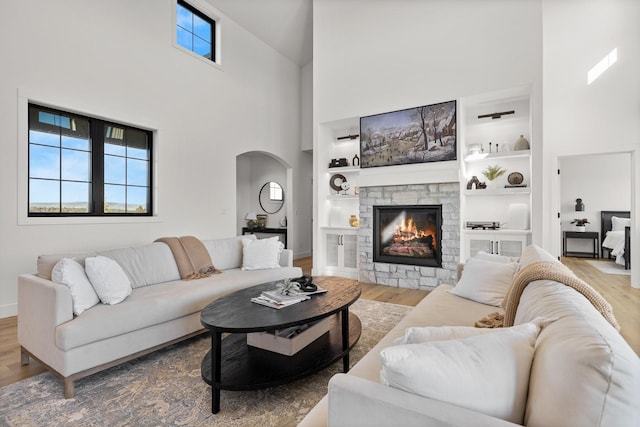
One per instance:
(355, 161)
(474, 181)
(521, 144)
(353, 221)
(581, 223)
(579, 205)
(356, 190)
(515, 179)
(336, 181)
(414, 135)
(496, 115)
(283, 221)
(337, 163)
(340, 138)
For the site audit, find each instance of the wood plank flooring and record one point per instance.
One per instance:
(616, 289)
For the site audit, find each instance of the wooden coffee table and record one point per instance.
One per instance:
(233, 365)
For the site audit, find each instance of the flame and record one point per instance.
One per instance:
(407, 230)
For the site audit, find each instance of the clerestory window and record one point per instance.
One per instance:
(195, 31)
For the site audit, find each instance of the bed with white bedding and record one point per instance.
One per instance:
(616, 234)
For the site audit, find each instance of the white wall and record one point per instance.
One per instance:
(306, 108)
(115, 59)
(589, 119)
(378, 56)
(602, 182)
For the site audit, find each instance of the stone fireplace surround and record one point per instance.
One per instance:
(410, 276)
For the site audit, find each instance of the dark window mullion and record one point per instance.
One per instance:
(97, 166)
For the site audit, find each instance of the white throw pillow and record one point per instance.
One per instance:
(261, 253)
(70, 273)
(495, 258)
(110, 282)
(486, 282)
(618, 224)
(487, 373)
(422, 334)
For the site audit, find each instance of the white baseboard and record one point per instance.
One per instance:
(8, 310)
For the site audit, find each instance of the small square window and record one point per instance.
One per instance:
(195, 31)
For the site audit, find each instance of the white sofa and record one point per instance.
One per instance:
(162, 309)
(583, 372)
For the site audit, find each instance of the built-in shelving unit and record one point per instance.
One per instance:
(500, 201)
(337, 246)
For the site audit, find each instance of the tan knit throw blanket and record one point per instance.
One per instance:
(545, 270)
(192, 257)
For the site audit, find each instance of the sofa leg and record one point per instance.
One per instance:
(24, 357)
(69, 388)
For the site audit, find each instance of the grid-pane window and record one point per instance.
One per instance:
(87, 167)
(195, 31)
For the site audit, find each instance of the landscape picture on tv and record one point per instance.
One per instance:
(415, 135)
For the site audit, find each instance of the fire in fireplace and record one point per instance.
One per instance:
(408, 234)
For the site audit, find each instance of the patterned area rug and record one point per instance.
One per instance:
(165, 388)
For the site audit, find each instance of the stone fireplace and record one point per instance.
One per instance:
(410, 274)
(408, 234)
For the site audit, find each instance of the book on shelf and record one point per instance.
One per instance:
(275, 299)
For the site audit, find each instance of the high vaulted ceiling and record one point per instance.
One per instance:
(285, 25)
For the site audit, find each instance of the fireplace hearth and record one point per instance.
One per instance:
(408, 234)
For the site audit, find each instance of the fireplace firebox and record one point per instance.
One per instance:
(408, 234)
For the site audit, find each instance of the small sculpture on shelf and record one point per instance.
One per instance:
(355, 161)
(474, 181)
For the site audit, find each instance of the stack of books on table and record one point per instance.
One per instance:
(275, 299)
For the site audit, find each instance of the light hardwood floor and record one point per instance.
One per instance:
(616, 289)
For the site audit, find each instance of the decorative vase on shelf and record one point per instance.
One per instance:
(521, 144)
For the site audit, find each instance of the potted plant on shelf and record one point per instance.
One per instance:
(493, 172)
(581, 223)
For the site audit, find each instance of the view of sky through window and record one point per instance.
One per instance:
(193, 32)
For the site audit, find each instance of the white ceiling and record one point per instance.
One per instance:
(285, 25)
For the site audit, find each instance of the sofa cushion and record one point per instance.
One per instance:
(146, 265)
(70, 273)
(45, 263)
(533, 253)
(486, 282)
(153, 305)
(261, 254)
(227, 253)
(108, 279)
(488, 373)
(583, 373)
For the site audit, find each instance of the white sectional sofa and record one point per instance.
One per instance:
(583, 372)
(162, 309)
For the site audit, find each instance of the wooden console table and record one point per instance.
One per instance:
(282, 232)
(594, 236)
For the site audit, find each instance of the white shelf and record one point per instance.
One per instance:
(498, 191)
(341, 197)
(338, 228)
(498, 231)
(472, 158)
(343, 169)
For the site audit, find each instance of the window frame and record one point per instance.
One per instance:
(97, 140)
(206, 12)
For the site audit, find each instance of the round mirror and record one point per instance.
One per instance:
(271, 197)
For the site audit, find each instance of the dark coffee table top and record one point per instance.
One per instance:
(236, 313)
